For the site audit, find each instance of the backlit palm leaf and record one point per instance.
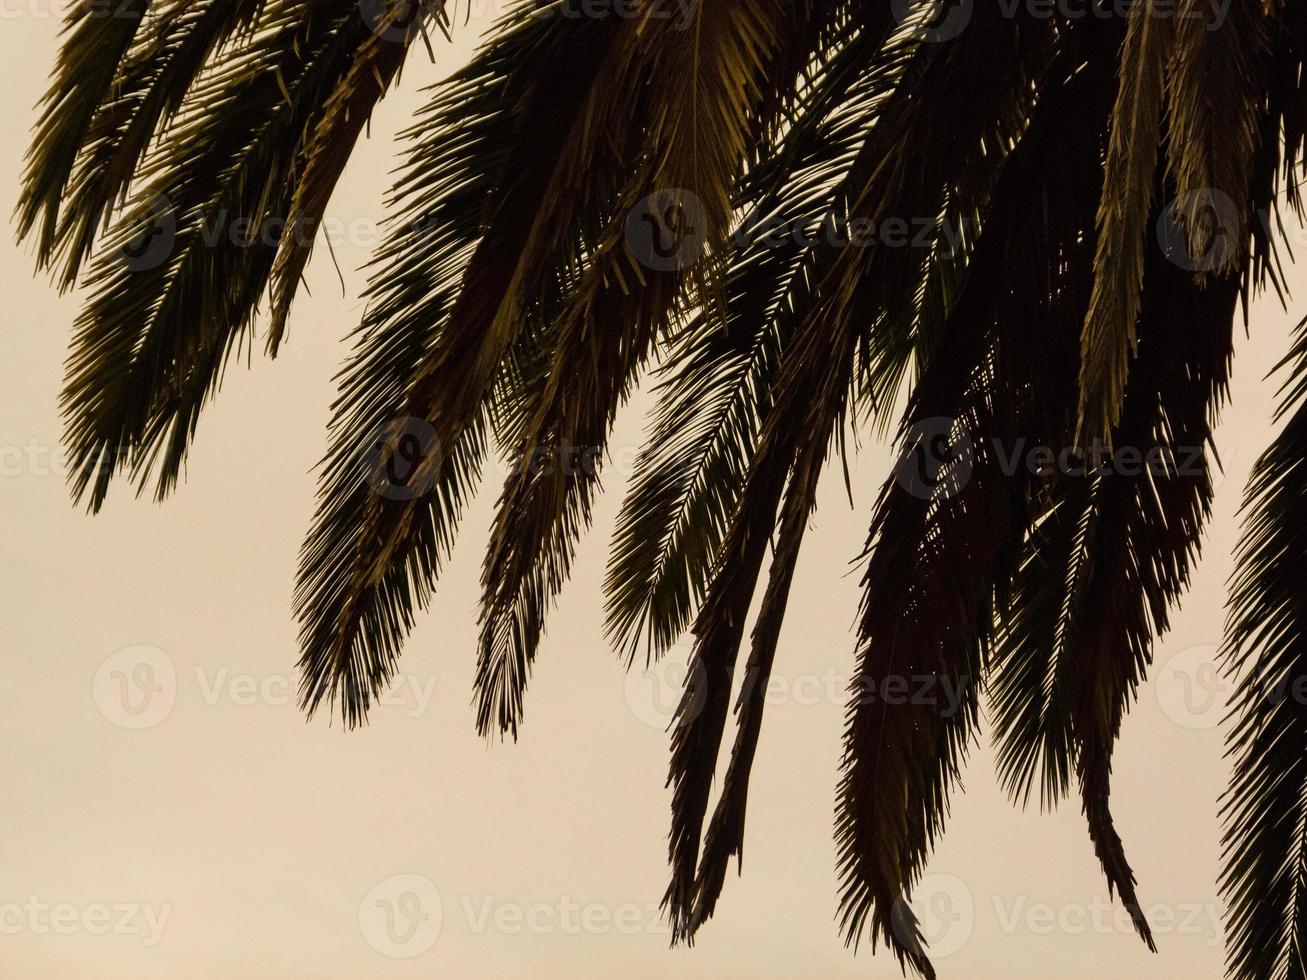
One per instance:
(1086, 200)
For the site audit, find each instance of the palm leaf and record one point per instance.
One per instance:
(89, 61)
(1128, 176)
(1264, 873)
(483, 199)
(943, 549)
(711, 80)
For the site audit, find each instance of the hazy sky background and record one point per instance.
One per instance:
(229, 839)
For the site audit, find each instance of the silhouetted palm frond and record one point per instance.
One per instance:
(712, 192)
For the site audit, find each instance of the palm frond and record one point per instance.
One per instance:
(486, 197)
(808, 435)
(375, 66)
(176, 283)
(180, 42)
(717, 380)
(944, 545)
(895, 176)
(89, 62)
(711, 77)
(1129, 175)
(1264, 873)
(1217, 88)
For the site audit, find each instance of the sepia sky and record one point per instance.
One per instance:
(165, 810)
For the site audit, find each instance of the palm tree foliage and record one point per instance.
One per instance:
(513, 307)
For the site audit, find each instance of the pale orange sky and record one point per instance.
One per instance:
(240, 842)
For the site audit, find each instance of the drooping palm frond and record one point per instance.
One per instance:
(491, 165)
(178, 43)
(374, 67)
(541, 514)
(806, 437)
(1087, 199)
(94, 47)
(1128, 179)
(1111, 555)
(1143, 532)
(944, 544)
(895, 174)
(1264, 877)
(1264, 855)
(176, 284)
(1217, 88)
(718, 377)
